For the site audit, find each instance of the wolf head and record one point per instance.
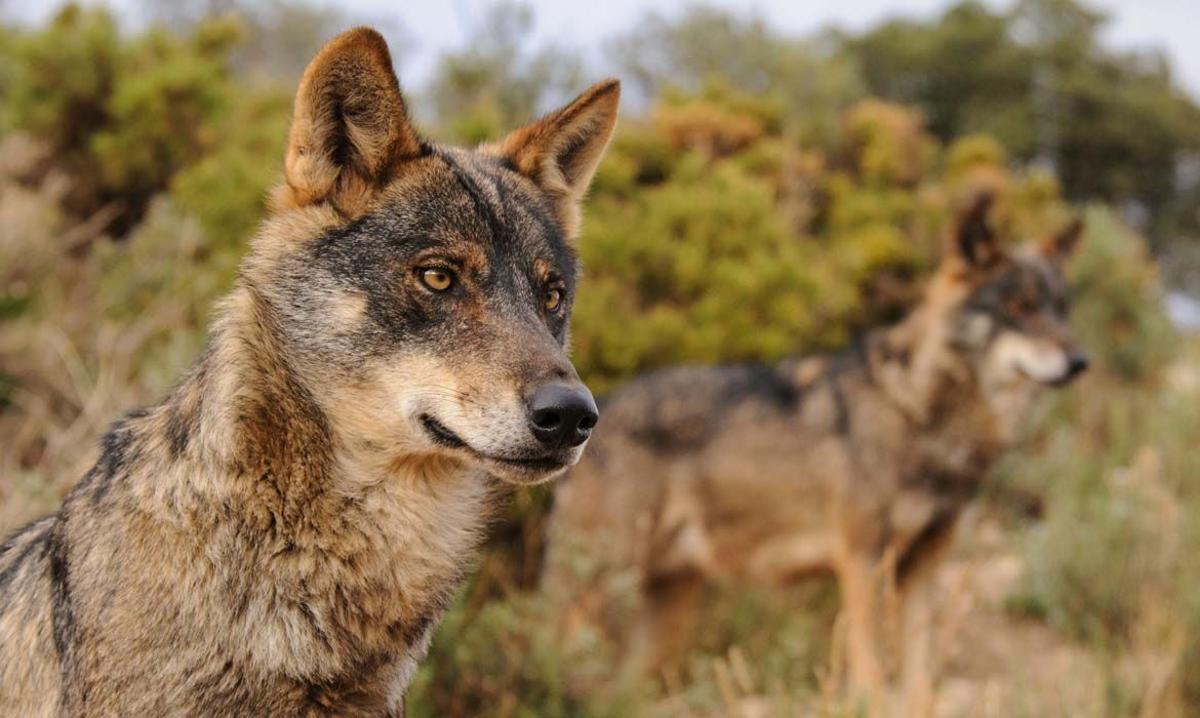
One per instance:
(423, 293)
(1006, 310)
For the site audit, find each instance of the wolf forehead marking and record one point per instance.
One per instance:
(514, 212)
(489, 225)
(1025, 281)
(468, 205)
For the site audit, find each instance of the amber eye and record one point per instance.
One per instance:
(554, 299)
(436, 278)
(1021, 306)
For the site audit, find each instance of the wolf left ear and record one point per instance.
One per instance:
(561, 151)
(350, 128)
(1059, 246)
(972, 240)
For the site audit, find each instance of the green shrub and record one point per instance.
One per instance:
(1109, 565)
(1118, 315)
(711, 236)
(120, 116)
(699, 268)
(227, 189)
(508, 660)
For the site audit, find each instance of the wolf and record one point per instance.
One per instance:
(281, 534)
(856, 464)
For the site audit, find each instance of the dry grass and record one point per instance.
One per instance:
(90, 330)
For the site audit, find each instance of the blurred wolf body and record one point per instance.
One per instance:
(281, 534)
(857, 464)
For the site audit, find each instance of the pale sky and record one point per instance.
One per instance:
(1171, 25)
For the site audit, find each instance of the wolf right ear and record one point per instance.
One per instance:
(561, 151)
(972, 240)
(1059, 246)
(350, 128)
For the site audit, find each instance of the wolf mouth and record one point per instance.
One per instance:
(443, 435)
(1058, 383)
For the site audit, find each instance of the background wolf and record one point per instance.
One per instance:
(281, 534)
(858, 463)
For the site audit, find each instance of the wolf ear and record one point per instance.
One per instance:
(350, 129)
(1059, 246)
(972, 240)
(561, 151)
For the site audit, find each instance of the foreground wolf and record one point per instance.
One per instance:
(842, 463)
(281, 534)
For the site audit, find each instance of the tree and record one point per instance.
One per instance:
(1113, 126)
(708, 46)
(495, 82)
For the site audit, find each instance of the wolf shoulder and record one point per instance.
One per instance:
(30, 680)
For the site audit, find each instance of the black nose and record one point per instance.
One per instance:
(1076, 364)
(562, 414)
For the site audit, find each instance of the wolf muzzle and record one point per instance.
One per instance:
(1077, 363)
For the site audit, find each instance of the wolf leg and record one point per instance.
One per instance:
(917, 584)
(918, 626)
(672, 604)
(857, 578)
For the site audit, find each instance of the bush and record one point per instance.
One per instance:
(507, 660)
(1108, 565)
(711, 236)
(227, 189)
(699, 268)
(1119, 316)
(121, 117)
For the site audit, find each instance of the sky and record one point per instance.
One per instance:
(1170, 25)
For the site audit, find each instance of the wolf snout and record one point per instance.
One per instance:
(1077, 363)
(562, 415)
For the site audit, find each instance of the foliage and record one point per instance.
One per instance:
(1115, 126)
(226, 190)
(699, 268)
(1120, 314)
(120, 116)
(1109, 564)
(714, 237)
(706, 45)
(495, 83)
(509, 661)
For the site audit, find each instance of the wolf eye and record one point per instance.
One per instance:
(553, 299)
(436, 278)
(1022, 306)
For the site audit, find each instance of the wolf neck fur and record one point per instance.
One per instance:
(933, 386)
